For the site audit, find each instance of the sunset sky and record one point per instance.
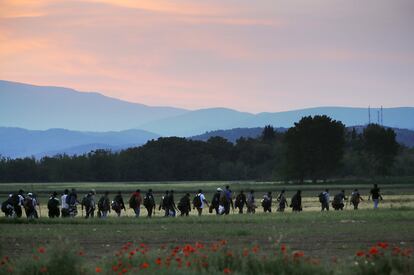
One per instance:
(264, 55)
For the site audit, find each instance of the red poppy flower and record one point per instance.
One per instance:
(283, 248)
(382, 245)
(227, 271)
(98, 270)
(373, 250)
(298, 254)
(41, 250)
(43, 269)
(360, 253)
(144, 265)
(158, 261)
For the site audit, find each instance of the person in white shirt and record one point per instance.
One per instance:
(200, 202)
(65, 205)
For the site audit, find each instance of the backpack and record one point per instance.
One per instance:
(53, 203)
(321, 197)
(28, 204)
(148, 201)
(133, 202)
(197, 201)
(86, 201)
(103, 204)
(71, 199)
(239, 201)
(14, 200)
(355, 197)
(337, 200)
(266, 202)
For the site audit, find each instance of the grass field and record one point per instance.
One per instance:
(322, 235)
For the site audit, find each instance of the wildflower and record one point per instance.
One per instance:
(382, 245)
(188, 263)
(115, 268)
(227, 271)
(204, 264)
(199, 245)
(245, 252)
(283, 248)
(144, 265)
(373, 250)
(229, 254)
(407, 252)
(132, 253)
(98, 270)
(255, 249)
(41, 250)
(43, 269)
(81, 253)
(124, 270)
(158, 261)
(360, 253)
(298, 254)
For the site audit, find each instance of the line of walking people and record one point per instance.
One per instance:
(222, 203)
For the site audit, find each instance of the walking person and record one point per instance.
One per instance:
(72, 201)
(104, 206)
(228, 202)
(356, 199)
(281, 199)
(164, 202)
(338, 202)
(296, 202)
(240, 201)
(376, 196)
(324, 199)
(88, 202)
(118, 204)
(64, 204)
(53, 206)
(149, 203)
(251, 205)
(215, 201)
(30, 204)
(200, 202)
(267, 202)
(184, 205)
(135, 202)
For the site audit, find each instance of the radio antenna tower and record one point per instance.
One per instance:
(369, 115)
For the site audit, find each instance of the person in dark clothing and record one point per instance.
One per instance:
(135, 202)
(324, 200)
(281, 199)
(149, 203)
(164, 203)
(267, 202)
(104, 206)
(296, 202)
(251, 204)
(240, 201)
(338, 201)
(169, 204)
(88, 202)
(356, 198)
(118, 204)
(376, 195)
(53, 206)
(228, 202)
(7, 207)
(18, 200)
(184, 205)
(215, 201)
(72, 201)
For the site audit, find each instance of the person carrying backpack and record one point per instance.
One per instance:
(376, 196)
(7, 207)
(296, 202)
(164, 203)
(240, 201)
(149, 203)
(199, 202)
(104, 206)
(267, 202)
(135, 202)
(356, 199)
(281, 199)
(72, 201)
(65, 205)
(170, 205)
(30, 204)
(251, 205)
(89, 203)
(228, 200)
(215, 201)
(338, 201)
(53, 206)
(118, 204)
(184, 205)
(17, 201)
(324, 200)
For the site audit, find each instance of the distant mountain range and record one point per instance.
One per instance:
(18, 142)
(41, 108)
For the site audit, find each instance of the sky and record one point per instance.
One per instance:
(256, 56)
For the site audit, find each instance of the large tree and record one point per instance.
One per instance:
(314, 148)
(380, 148)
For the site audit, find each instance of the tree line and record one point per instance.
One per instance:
(315, 148)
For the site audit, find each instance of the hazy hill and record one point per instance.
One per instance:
(41, 108)
(196, 122)
(17, 142)
(404, 136)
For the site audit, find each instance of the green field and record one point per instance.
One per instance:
(322, 235)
